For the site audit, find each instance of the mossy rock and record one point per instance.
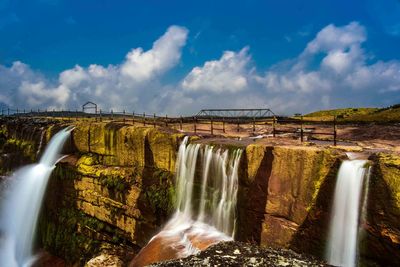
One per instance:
(296, 177)
(389, 165)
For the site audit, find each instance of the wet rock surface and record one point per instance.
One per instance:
(242, 254)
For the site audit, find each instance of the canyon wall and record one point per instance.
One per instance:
(115, 190)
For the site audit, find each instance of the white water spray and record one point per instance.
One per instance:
(21, 206)
(342, 242)
(41, 142)
(215, 218)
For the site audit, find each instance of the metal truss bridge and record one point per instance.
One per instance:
(245, 113)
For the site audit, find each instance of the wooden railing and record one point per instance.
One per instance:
(198, 124)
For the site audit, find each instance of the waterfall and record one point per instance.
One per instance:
(22, 203)
(205, 210)
(223, 168)
(215, 217)
(41, 141)
(342, 242)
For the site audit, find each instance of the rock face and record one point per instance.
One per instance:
(105, 260)
(21, 143)
(280, 196)
(116, 189)
(242, 254)
(380, 238)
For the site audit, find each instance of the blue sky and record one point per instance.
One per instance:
(291, 56)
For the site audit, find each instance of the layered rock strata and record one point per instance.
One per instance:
(116, 189)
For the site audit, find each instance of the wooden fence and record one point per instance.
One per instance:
(199, 124)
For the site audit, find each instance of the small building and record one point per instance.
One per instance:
(89, 107)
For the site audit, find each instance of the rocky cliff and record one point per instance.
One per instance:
(116, 189)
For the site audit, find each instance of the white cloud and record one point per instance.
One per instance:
(37, 93)
(114, 86)
(166, 53)
(332, 38)
(333, 70)
(228, 74)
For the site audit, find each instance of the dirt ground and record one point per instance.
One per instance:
(367, 136)
(374, 137)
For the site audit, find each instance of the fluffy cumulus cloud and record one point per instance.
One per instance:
(333, 70)
(166, 53)
(228, 74)
(113, 86)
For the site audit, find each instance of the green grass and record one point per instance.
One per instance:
(382, 115)
(342, 112)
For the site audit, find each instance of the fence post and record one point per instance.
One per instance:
(273, 126)
(154, 120)
(100, 118)
(144, 119)
(124, 116)
(254, 124)
(166, 120)
(180, 123)
(301, 130)
(237, 128)
(212, 126)
(133, 118)
(223, 124)
(334, 130)
(194, 124)
(112, 115)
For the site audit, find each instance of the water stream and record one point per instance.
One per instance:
(206, 193)
(22, 203)
(342, 242)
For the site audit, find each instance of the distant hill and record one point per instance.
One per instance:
(388, 114)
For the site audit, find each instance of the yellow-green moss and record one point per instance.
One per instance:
(161, 195)
(49, 133)
(118, 144)
(255, 154)
(26, 147)
(389, 165)
(163, 147)
(88, 159)
(75, 236)
(296, 177)
(3, 130)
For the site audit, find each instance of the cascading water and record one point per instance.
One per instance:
(201, 218)
(41, 142)
(21, 206)
(342, 242)
(218, 220)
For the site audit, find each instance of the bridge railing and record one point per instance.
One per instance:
(200, 124)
